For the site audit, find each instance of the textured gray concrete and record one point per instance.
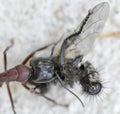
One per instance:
(33, 24)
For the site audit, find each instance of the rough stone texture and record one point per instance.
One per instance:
(33, 24)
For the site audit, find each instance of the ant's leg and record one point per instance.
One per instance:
(47, 98)
(33, 53)
(53, 101)
(7, 83)
(40, 49)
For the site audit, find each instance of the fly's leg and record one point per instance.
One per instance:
(7, 83)
(54, 45)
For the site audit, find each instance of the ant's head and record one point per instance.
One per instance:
(43, 70)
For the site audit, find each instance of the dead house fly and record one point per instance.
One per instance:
(60, 69)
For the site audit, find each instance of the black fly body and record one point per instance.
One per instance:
(67, 71)
(59, 68)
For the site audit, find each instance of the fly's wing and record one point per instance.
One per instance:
(80, 42)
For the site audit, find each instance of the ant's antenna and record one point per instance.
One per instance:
(7, 83)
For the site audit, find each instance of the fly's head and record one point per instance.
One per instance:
(89, 79)
(43, 70)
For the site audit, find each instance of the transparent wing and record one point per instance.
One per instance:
(82, 40)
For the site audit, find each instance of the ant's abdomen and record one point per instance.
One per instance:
(19, 73)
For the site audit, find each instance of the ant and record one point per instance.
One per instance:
(58, 68)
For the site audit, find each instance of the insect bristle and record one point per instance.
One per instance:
(97, 98)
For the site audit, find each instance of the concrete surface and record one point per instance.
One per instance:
(33, 24)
